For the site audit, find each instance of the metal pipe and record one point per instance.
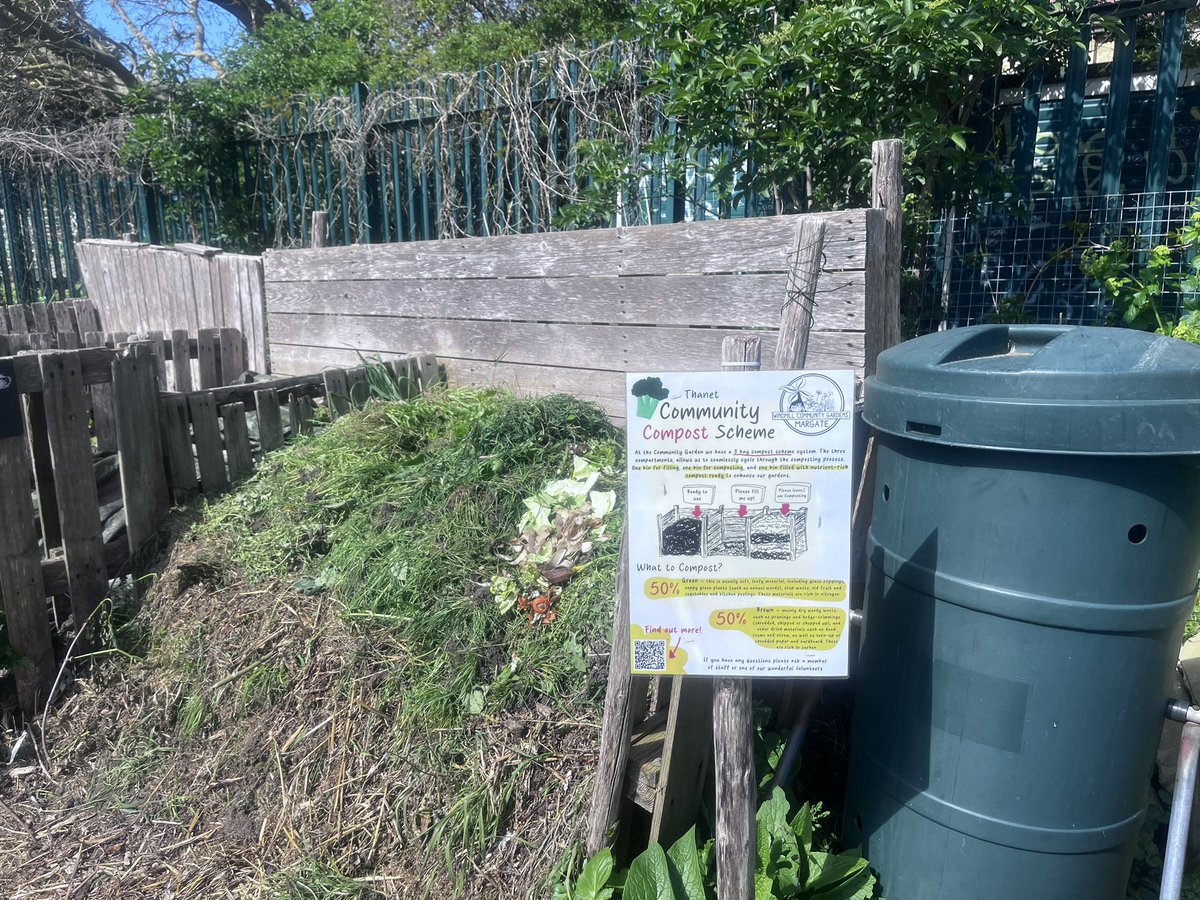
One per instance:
(1181, 804)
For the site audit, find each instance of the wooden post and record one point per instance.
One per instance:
(796, 320)
(139, 442)
(883, 269)
(337, 393)
(177, 445)
(319, 236)
(207, 432)
(431, 373)
(270, 422)
(733, 722)
(75, 480)
(237, 441)
(618, 719)
(181, 362)
(21, 583)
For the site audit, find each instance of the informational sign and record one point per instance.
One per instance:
(739, 522)
(11, 422)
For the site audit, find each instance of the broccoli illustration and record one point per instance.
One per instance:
(649, 392)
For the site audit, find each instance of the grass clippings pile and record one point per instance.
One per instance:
(323, 698)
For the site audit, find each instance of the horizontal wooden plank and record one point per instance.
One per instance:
(742, 245)
(96, 363)
(614, 348)
(310, 384)
(733, 301)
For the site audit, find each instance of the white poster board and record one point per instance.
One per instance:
(739, 522)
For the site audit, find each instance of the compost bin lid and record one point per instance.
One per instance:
(1041, 388)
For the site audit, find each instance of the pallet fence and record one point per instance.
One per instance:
(140, 289)
(73, 521)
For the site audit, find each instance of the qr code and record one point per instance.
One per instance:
(650, 656)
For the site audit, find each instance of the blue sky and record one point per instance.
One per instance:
(221, 29)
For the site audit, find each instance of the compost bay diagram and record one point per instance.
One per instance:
(754, 532)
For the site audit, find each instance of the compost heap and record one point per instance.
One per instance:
(373, 670)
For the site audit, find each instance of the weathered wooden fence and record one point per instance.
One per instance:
(100, 453)
(573, 311)
(142, 289)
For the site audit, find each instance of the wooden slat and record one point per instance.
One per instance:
(270, 422)
(337, 392)
(18, 319)
(17, 343)
(208, 354)
(139, 443)
(43, 466)
(300, 414)
(207, 432)
(41, 318)
(67, 341)
(405, 372)
(177, 445)
(103, 417)
(3, 319)
(21, 586)
(686, 753)
(88, 315)
(181, 363)
(63, 317)
(253, 302)
(729, 301)
(359, 388)
(158, 350)
(745, 245)
(429, 372)
(5, 346)
(309, 385)
(233, 357)
(237, 441)
(75, 481)
(612, 347)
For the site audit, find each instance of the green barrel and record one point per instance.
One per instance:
(1033, 558)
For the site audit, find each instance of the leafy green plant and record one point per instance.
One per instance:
(1142, 286)
(798, 91)
(787, 866)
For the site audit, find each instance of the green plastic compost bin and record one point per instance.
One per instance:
(1033, 559)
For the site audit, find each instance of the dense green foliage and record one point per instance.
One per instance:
(374, 42)
(798, 91)
(1152, 289)
(788, 866)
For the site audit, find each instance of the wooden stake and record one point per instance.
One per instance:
(796, 320)
(733, 720)
(618, 720)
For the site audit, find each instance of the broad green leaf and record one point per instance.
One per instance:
(830, 871)
(802, 828)
(763, 889)
(594, 877)
(649, 877)
(687, 874)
